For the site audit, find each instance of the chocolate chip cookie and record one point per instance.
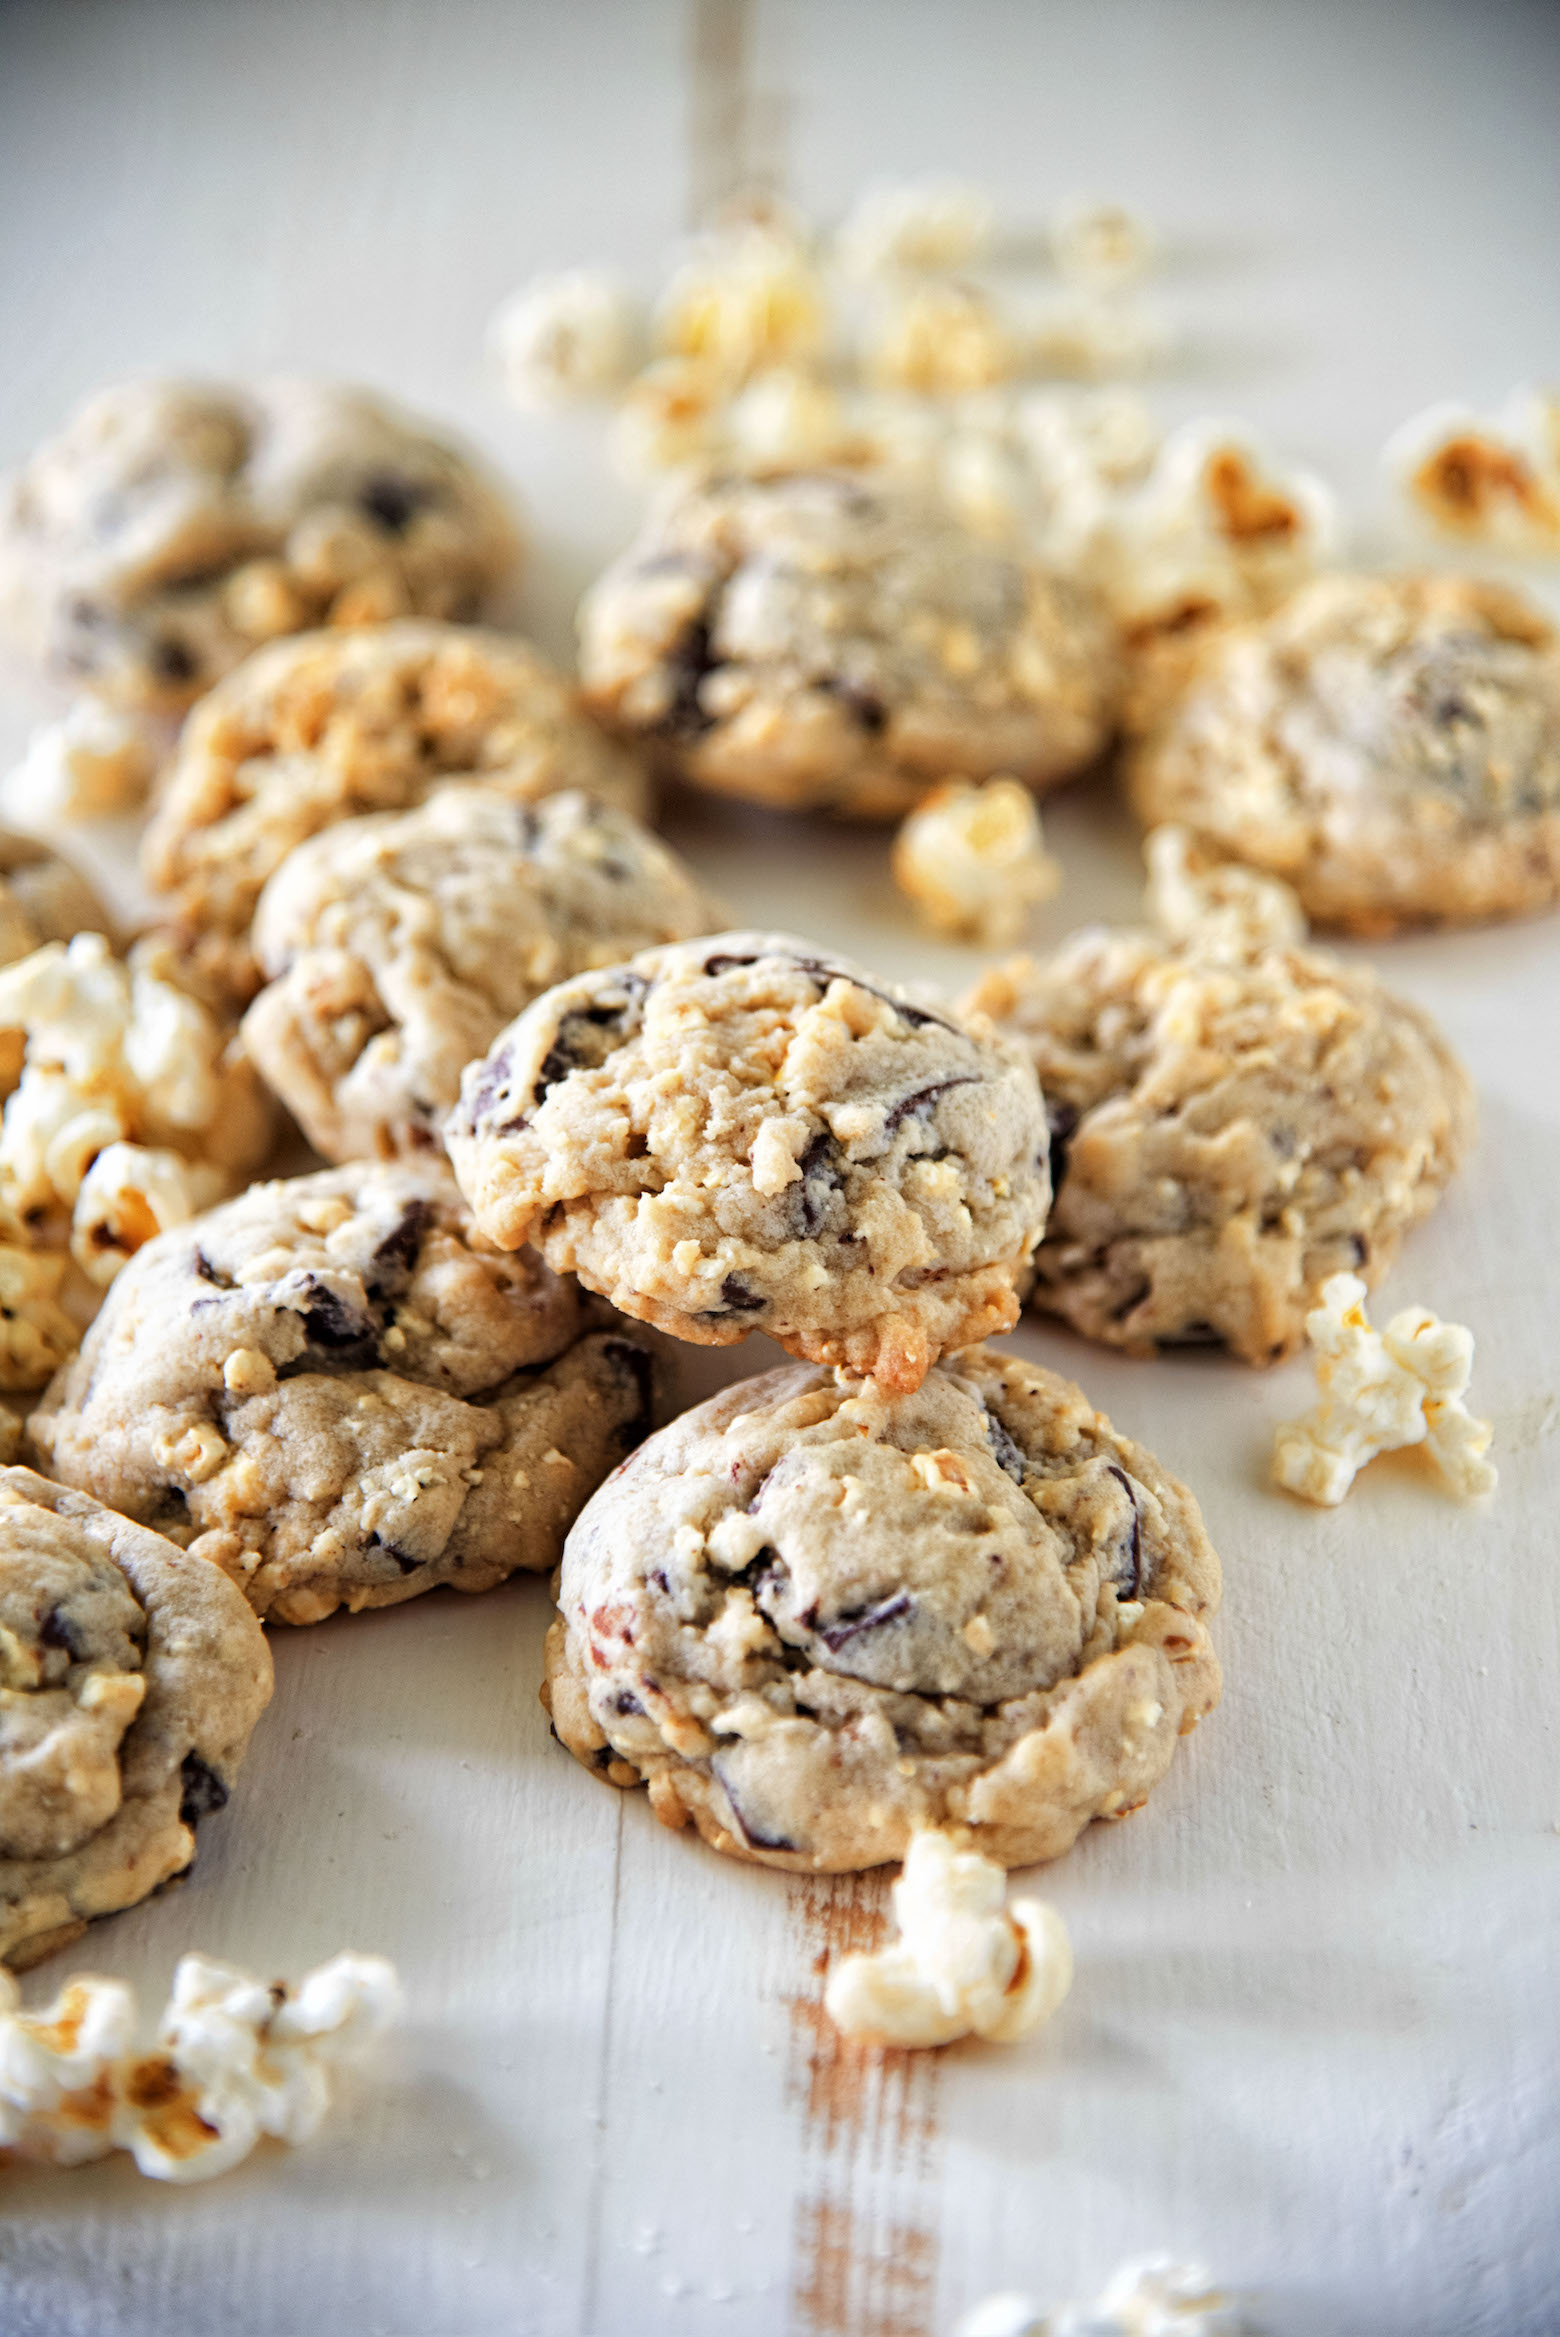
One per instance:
(131, 1675)
(1228, 1128)
(1390, 745)
(397, 946)
(815, 1618)
(173, 526)
(335, 724)
(336, 1392)
(812, 640)
(742, 1134)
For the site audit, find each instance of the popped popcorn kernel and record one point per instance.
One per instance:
(128, 1112)
(1228, 910)
(974, 862)
(1488, 479)
(922, 225)
(743, 301)
(1154, 2297)
(785, 417)
(91, 764)
(236, 2060)
(941, 339)
(670, 414)
(1100, 243)
(1380, 1391)
(964, 1964)
(566, 337)
(1217, 528)
(1090, 339)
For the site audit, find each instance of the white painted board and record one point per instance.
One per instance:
(1313, 2036)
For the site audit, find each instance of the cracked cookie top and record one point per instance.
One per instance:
(337, 1392)
(743, 1134)
(816, 1618)
(397, 946)
(810, 639)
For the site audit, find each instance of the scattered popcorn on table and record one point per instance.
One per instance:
(91, 764)
(565, 337)
(1217, 528)
(128, 1111)
(236, 2060)
(941, 338)
(1379, 1391)
(930, 225)
(1227, 909)
(1490, 479)
(973, 860)
(743, 301)
(1100, 243)
(1155, 2297)
(1090, 339)
(964, 1964)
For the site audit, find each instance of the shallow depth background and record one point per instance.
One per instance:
(1312, 2036)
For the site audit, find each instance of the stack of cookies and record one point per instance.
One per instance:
(570, 1119)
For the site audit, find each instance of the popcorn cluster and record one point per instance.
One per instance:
(126, 1111)
(965, 1964)
(1154, 2297)
(974, 862)
(1490, 479)
(1379, 1391)
(236, 2060)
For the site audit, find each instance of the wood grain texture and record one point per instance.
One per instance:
(1313, 2032)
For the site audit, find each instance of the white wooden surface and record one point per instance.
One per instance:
(1313, 2036)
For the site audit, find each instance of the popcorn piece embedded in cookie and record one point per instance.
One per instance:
(1100, 243)
(965, 1964)
(742, 301)
(565, 337)
(973, 859)
(930, 225)
(941, 339)
(237, 2060)
(1488, 479)
(1226, 910)
(1379, 1391)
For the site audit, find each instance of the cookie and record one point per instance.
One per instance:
(397, 946)
(810, 641)
(1226, 1131)
(815, 1618)
(42, 898)
(738, 1134)
(333, 724)
(1390, 745)
(333, 1390)
(173, 526)
(131, 1675)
